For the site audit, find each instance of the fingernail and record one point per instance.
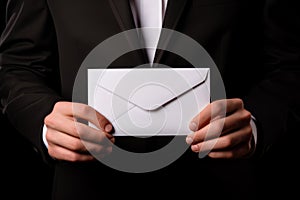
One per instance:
(189, 140)
(193, 126)
(195, 148)
(108, 128)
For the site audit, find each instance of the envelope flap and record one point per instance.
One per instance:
(151, 88)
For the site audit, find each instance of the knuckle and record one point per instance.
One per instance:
(109, 149)
(227, 142)
(246, 115)
(249, 133)
(218, 108)
(216, 128)
(73, 157)
(220, 126)
(78, 129)
(76, 145)
(49, 120)
(249, 146)
(86, 110)
(239, 102)
(59, 105)
(249, 130)
(104, 138)
(75, 129)
(200, 136)
(97, 149)
(49, 136)
(51, 151)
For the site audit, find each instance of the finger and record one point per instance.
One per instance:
(238, 152)
(76, 129)
(61, 153)
(225, 142)
(97, 149)
(102, 154)
(215, 110)
(210, 131)
(90, 114)
(84, 112)
(57, 138)
(74, 144)
(93, 135)
(221, 126)
(237, 120)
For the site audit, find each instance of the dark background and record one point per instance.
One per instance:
(25, 175)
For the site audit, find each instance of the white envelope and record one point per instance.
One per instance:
(150, 101)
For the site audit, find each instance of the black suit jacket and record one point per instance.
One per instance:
(45, 43)
(2, 15)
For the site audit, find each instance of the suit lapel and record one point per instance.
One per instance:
(123, 14)
(173, 14)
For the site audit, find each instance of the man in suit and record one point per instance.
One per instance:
(46, 42)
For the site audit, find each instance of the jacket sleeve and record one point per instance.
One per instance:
(29, 75)
(276, 99)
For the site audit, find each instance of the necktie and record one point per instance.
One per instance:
(151, 16)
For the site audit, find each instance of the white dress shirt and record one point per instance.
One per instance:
(149, 14)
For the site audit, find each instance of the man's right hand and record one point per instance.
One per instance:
(70, 140)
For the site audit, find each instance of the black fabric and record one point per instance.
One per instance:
(23, 171)
(2, 14)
